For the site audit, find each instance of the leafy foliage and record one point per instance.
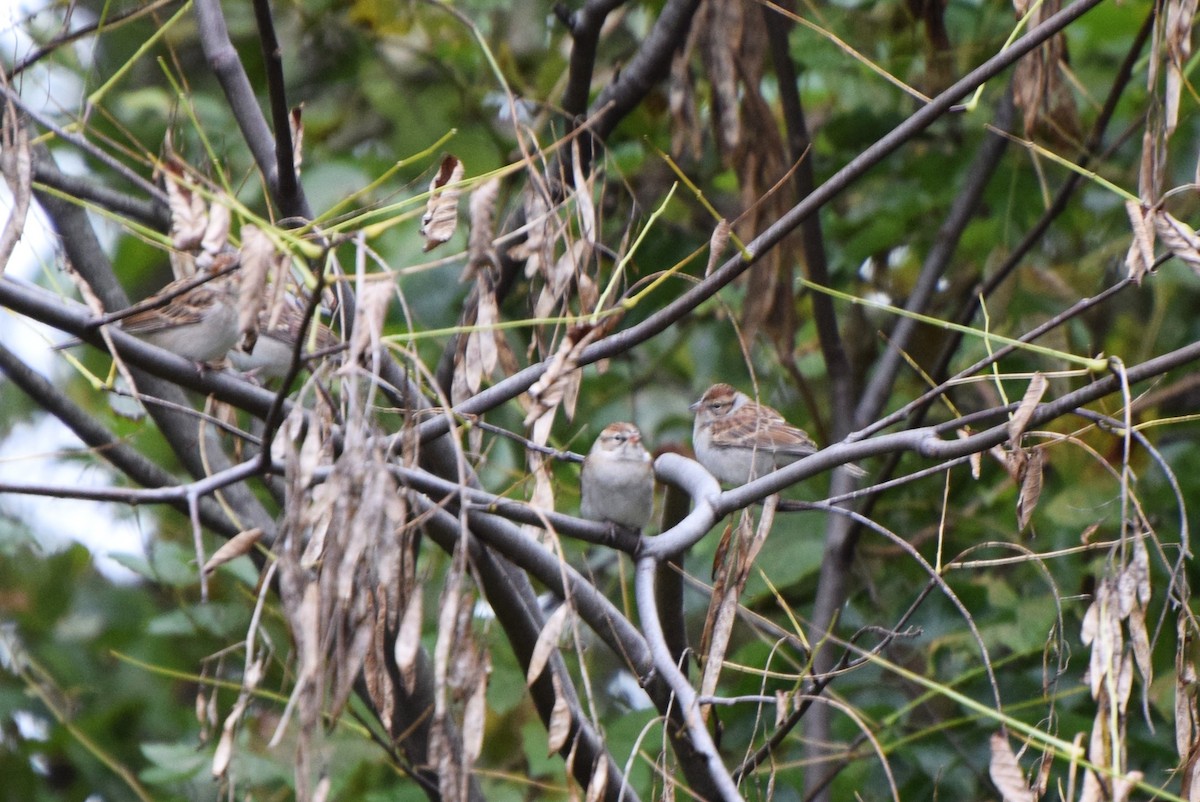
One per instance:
(489, 231)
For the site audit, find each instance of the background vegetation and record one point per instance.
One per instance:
(848, 210)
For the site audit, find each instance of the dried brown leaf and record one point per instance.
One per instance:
(258, 256)
(481, 207)
(223, 752)
(1187, 713)
(716, 245)
(1152, 166)
(475, 715)
(296, 124)
(235, 547)
(1024, 412)
(1180, 238)
(189, 212)
(560, 718)
(370, 315)
(1031, 487)
(480, 356)
(1006, 772)
(598, 783)
(585, 208)
(1178, 32)
(549, 390)
(687, 134)
(216, 233)
(441, 211)
(547, 642)
(408, 638)
(16, 161)
(1139, 261)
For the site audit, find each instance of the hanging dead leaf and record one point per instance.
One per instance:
(716, 245)
(408, 639)
(296, 124)
(1180, 238)
(547, 642)
(480, 355)
(16, 162)
(560, 719)
(482, 210)
(687, 134)
(549, 390)
(1024, 412)
(1178, 33)
(475, 713)
(216, 233)
(540, 223)
(235, 547)
(1006, 772)
(370, 315)
(441, 211)
(257, 256)
(585, 208)
(189, 212)
(598, 783)
(1139, 261)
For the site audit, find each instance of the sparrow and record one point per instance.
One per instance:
(199, 324)
(617, 483)
(271, 356)
(738, 440)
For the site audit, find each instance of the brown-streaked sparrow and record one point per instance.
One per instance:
(617, 483)
(271, 356)
(737, 439)
(199, 324)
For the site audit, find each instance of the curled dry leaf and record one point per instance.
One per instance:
(1139, 261)
(408, 639)
(369, 317)
(1187, 712)
(1180, 14)
(538, 248)
(560, 718)
(598, 783)
(16, 161)
(216, 233)
(716, 245)
(585, 208)
(1180, 238)
(296, 123)
(549, 390)
(235, 547)
(258, 255)
(572, 263)
(475, 712)
(687, 134)
(1030, 481)
(1024, 412)
(547, 642)
(189, 212)
(480, 356)
(441, 212)
(1006, 772)
(482, 209)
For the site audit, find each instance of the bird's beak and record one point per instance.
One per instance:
(695, 406)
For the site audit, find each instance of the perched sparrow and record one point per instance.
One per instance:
(737, 440)
(199, 324)
(271, 356)
(617, 482)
